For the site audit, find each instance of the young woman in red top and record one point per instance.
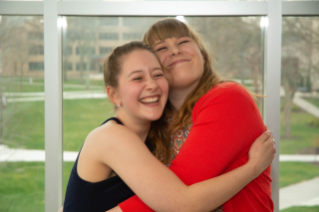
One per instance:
(225, 120)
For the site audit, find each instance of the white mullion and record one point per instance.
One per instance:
(163, 8)
(300, 8)
(273, 77)
(53, 108)
(21, 8)
(159, 8)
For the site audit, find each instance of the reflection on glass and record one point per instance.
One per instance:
(87, 41)
(299, 145)
(21, 114)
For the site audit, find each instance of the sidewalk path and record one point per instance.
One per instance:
(305, 105)
(300, 194)
(14, 155)
(299, 158)
(27, 155)
(39, 96)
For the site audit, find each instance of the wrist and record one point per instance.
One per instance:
(253, 168)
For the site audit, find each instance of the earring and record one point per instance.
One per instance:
(118, 105)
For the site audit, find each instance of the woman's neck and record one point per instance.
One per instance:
(139, 127)
(177, 96)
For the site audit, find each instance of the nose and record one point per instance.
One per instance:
(151, 84)
(175, 50)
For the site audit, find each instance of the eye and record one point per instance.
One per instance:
(159, 75)
(182, 42)
(160, 49)
(137, 78)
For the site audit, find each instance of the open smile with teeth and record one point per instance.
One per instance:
(150, 100)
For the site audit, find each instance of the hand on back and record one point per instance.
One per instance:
(262, 151)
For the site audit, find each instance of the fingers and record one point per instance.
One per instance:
(270, 146)
(264, 136)
(272, 139)
(267, 135)
(272, 142)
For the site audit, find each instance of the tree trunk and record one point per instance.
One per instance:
(288, 101)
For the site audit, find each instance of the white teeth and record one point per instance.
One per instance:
(150, 100)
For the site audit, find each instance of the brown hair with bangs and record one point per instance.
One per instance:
(171, 27)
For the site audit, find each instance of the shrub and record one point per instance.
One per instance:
(314, 122)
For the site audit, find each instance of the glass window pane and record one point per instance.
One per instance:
(299, 144)
(237, 44)
(21, 113)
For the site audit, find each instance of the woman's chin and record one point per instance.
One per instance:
(154, 116)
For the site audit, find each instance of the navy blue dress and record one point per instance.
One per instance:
(84, 196)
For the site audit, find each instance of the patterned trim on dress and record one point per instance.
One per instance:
(176, 142)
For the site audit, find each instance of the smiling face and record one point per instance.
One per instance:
(183, 60)
(142, 89)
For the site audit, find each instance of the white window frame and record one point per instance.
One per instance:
(52, 9)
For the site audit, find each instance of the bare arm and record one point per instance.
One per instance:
(162, 190)
(115, 209)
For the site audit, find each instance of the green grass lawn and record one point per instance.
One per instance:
(295, 172)
(24, 126)
(313, 101)
(303, 135)
(82, 116)
(302, 209)
(23, 189)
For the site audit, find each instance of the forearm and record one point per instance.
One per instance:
(212, 193)
(115, 209)
(206, 195)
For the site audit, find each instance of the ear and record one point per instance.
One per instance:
(113, 95)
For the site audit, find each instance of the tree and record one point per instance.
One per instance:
(83, 32)
(300, 63)
(237, 46)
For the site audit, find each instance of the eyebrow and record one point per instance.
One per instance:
(157, 68)
(138, 71)
(181, 36)
(159, 43)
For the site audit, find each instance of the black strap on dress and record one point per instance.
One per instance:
(84, 196)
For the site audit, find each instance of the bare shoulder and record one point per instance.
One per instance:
(110, 135)
(228, 88)
(110, 142)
